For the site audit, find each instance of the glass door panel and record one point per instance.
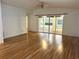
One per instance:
(41, 24)
(46, 24)
(59, 25)
(51, 25)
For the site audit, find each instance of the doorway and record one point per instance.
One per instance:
(51, 24)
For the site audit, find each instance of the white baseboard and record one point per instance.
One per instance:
(13, 35)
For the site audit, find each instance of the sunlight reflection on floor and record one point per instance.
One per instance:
(47, 39)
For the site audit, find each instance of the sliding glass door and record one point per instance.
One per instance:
(50, 24)
(44, 24)
(41, 24)
(59, 25)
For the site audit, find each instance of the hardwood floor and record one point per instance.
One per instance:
(40, 46)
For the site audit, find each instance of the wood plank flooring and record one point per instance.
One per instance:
(40, 46)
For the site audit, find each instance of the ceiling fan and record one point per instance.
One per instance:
(43, 5)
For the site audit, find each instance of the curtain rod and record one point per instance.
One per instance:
(52, 14)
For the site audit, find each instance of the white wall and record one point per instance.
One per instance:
(1, 28)
(14, 20)
(71, 21)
